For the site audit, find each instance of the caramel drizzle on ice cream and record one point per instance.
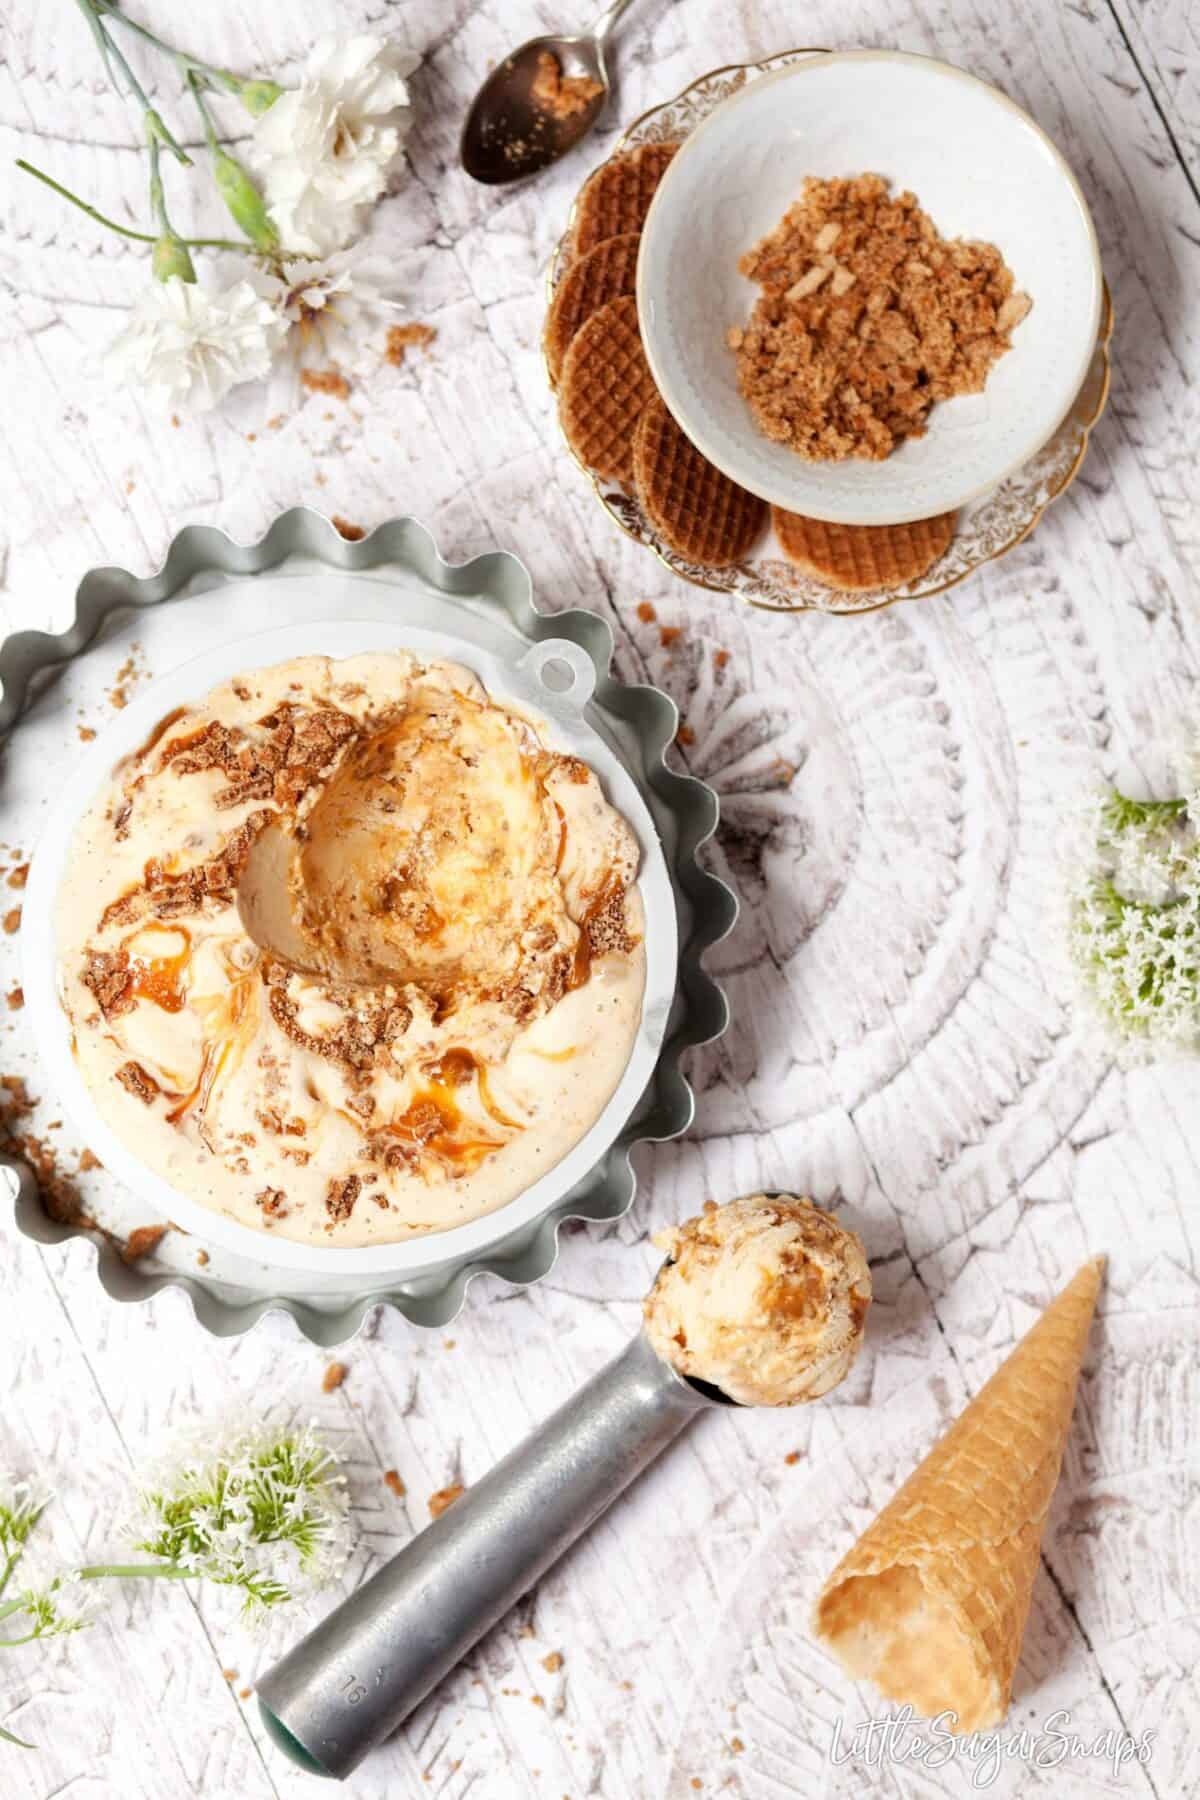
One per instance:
(428, 847)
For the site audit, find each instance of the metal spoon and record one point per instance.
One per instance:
(507, 134)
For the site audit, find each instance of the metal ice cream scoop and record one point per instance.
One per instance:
(354, 1679)
(359, 1674)
(508, 134)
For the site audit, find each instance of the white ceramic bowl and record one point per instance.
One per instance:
(978, 165)
(554, 680)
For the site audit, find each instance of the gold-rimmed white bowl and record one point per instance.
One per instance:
(979, 166)
(988, 527)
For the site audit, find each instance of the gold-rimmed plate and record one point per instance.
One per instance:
(987, 528)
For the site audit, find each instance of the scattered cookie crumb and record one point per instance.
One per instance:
(343, 527)
(12, 920)
(668, 634)
(537, 1700)
(561, 96)
(175, 420)
(686, 735)
(720, 658)
(202, 1257)
(326, 381)
(88, 1160)
(553, 1663)
(391, 1479)
(86, 734)
(143, 1240)
(252, 437)
(792, 1458)
(402, 338)
(443, 1498)
(245, 1693)
(229, 1674)
(16, 998)
(127, 674)
(334, 1376)
(736, 1745)
(697, 1783)
(57, 1191)
(130, 486)
(277, 423)
(19, 876)
(449, 1343)
(646, 612)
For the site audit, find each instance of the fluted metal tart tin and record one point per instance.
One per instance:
(319, 593)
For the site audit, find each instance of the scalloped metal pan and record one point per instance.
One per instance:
(640, 721)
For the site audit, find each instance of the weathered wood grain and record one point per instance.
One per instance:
(901, 1041)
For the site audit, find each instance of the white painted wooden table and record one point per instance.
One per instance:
(901, 1040)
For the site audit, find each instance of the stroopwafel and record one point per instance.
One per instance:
(604, 274)
(605, 385)
(696, 510)
(859, 558)
(617, 197)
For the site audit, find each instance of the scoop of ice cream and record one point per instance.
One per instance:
(431, 856)
(764, 1298)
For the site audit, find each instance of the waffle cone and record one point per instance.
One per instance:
(931, 1602)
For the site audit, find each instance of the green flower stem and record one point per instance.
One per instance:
(160, 1571)
(196, 89)
(113, 53)
(141, 237)
(223, 78)
(164, 1571)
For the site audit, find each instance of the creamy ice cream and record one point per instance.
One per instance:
(764, 1298)
(349, 953)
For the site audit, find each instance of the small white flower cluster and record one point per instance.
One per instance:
(60, 1606)
(324, 152)
(65, 1604)
(22, 1504)
(1134, 919)
(261, 1509)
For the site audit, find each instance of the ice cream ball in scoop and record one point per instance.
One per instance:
(764, 1298)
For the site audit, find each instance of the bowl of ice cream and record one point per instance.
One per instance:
(868, 287)
(352, 945)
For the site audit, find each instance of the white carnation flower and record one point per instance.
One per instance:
(188, 345)
(325, 148)
(332, 305)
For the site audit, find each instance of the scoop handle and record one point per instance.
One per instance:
(359, 1674)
